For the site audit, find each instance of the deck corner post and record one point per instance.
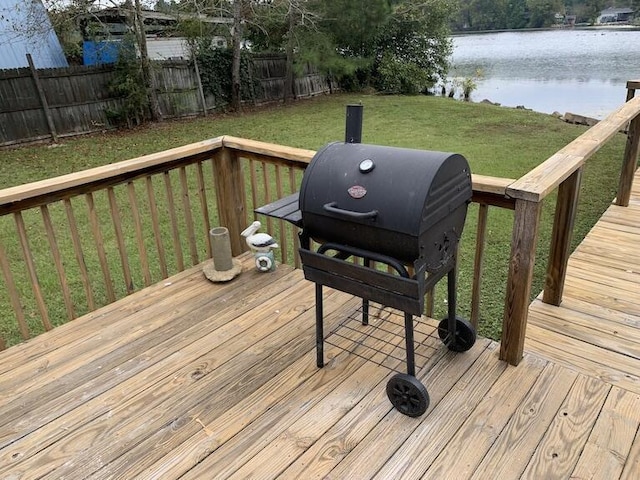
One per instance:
(230, 197)
(521, 265)
(563, 223)
(629, 163)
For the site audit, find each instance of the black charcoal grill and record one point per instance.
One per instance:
(401, 208)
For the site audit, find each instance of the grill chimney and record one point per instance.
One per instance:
(353, 130)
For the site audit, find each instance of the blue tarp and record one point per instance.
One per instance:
(99, 53)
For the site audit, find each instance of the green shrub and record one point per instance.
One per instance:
(129, 86)
(398, 76)
(215, 73)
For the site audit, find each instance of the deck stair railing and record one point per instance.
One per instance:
(71, 244)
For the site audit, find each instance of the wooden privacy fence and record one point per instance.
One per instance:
(51, 103)
(127, 225)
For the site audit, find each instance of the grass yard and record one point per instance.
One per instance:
(496, 141)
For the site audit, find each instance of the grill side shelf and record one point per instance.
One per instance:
(284, 209)
(384, 288)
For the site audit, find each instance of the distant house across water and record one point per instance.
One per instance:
(615, 15)
(25, 27)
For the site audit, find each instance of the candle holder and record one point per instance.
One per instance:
(222, 267)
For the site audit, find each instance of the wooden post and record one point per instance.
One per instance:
(566, 206)
(523, 252)
(199, 82)
(478, 263)
(230, 196)
(629, 163)
(43, 99)
(632, 86)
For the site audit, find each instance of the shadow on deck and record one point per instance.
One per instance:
(189, 379)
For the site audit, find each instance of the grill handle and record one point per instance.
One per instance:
(332, 207)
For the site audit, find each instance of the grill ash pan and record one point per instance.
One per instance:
(405, 203)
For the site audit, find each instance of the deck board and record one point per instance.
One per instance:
(512, 450)
(194, 380)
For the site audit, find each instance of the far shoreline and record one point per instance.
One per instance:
(547, 29)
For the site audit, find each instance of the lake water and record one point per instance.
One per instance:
(582, 71)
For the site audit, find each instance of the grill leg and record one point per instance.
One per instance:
(451, 299)
(408, 335)
(365, 312)
(365, 303)
(319, 327)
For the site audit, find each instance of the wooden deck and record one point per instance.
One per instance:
(596, 329)
(189, 379)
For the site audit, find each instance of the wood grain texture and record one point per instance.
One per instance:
(608, 446)
(561, 235)
(559, 450)
(523, 248)
(57, 260)
(510, 453)
(478, 263)
(483, 425)
(230, 195)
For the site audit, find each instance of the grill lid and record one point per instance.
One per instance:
(398, 189)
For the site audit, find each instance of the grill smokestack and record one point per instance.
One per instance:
(353, 130)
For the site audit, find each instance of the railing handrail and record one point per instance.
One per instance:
(48, 190)
(536, 184)
(31, 194)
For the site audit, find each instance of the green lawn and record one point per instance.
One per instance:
(496, 141)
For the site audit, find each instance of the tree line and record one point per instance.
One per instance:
(476, 15)
(394, 46)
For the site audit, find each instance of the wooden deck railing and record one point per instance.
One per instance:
(127, 225)
(562, 171)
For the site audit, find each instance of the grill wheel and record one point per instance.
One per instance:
(408, 395)
(463, 338)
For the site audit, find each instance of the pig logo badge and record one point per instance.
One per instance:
(357, 191)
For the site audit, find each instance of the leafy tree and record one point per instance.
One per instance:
(593, 9)
(541, 12)
(354, 25)
(414, 47)
(517, 14)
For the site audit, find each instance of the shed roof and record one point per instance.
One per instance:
(25, 28)
(616, 11)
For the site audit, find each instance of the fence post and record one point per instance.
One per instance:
(43, 99)
(230, 196)
(522, 260)
(629, 161)
(199, 82)
(564, 220)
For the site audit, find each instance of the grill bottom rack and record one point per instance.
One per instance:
(382, 340)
